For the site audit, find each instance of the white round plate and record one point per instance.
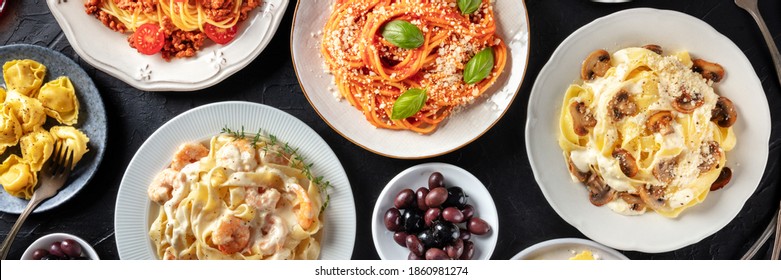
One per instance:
(565, 248)
(135, 213)
(650, 232)
(416, 177)
(457, 131)
(46, 241)
(109, 51)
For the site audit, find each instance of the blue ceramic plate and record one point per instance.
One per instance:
(92, 121)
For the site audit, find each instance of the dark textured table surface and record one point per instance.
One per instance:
(498, 158)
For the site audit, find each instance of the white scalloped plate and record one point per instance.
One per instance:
(135, 213)
(109, 51)
(457, 131)
(651, 232)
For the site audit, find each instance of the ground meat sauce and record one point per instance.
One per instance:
(178, 43)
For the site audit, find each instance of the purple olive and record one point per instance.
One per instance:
(421, 194)
(436, 180)
(436, 254)
(401, 238)
(71, 248)
(56, 250)
(468, 211)
(432, 214)
(405, 199)
(414, 245)
(412, 256)
(39, 254)
(455, 250)
(465, 235)
(469, 250)
(478, 226)
(436, 197)
(393, 219)
(453, 215)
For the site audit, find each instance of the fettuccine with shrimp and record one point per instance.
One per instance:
(237, 199)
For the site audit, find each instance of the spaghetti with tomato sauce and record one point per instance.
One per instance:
(372, 72)
(173, 28)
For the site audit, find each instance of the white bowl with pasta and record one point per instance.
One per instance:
(457, 130)
(649, 232)
(109, 51)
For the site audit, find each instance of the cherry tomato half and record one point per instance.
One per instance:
(220, 36)
(149, 39)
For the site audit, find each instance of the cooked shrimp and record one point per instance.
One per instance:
(238, 155)
(274, 235)
(188, 153)
(160, 189)
(232, 235)
(305, 213)
(264, 199)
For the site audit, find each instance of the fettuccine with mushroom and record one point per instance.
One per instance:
(647, 131)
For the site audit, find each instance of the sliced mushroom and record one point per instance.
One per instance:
(660, 122)
(664, 171)
(724, 114)
(708, 70)
(722, 180)
(582, 119)
(710, 153)
(581, 176)
(653, 196)
(654, 48)
(687, 102)
(626, 161)
(622, 106)
(599, 192)
(634, 200)
(595, 65)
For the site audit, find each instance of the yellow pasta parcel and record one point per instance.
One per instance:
(28, 111)
(10, 129)
(2, 94)
(24, 76)
(59, 100)
(37, 147)
(17, 178)
(73, 139)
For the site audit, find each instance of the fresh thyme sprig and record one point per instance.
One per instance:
(289, 153)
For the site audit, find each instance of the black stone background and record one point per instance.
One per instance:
(498, 158)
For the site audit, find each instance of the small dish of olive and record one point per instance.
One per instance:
(435, 211)
(60, 246)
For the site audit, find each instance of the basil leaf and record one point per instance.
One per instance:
(408, 103)
(468, 6)
(479, 66)
(403, 34)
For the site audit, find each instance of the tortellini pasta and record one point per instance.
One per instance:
(28, 111)
(17, 178)
(36, 147)
(24, 76)
(59, 100)
(10, 129)
(26, 104)
(71, 138)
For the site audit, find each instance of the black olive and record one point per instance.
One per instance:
(445, 232)
(427, 238)
(413, 220)
(455, 197)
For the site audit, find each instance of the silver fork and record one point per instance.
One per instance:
(51, 178)
(751, 7)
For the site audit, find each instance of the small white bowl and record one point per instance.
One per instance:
(47, 240)
(565, 248)
(416, 177)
